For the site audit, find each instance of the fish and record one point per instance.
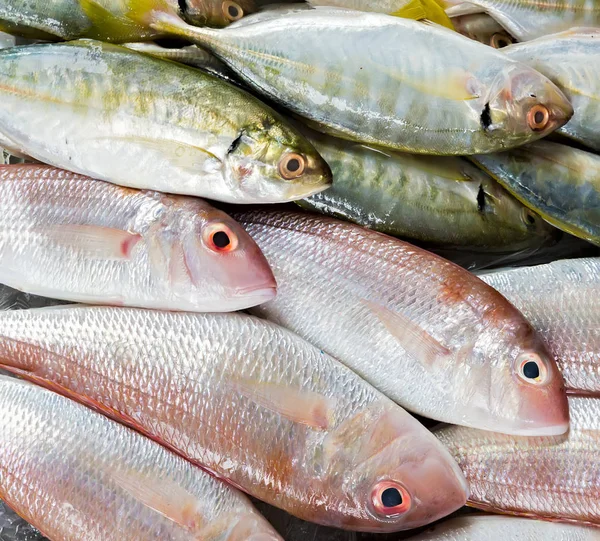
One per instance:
(558, 182)
(554, 477)
(117, 115)
(362, 83)
(70, 237)
(426, 333)
(248, 401)
(483, 28)
(499, 528)
(14, 528)
(571, 61)
(560, 300)
(112, 20)
(436, 199)
(75, 474)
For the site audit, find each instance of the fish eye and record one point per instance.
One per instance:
(531, 368)
(292, 165)
(219, 238)
(390, 499)
(498, 41)
(538, 117)
(527, 216)
(232, 11)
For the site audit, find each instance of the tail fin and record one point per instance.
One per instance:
(424, 9)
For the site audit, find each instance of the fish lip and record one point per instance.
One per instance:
(548, 430)
(315, 190)
(264, 293)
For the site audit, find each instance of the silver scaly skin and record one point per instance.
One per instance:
(571, 60)
(249, 401)
(560, 300)
(442, 200)
(531, 19)
(75, 474)
(388, 81)
(554, 478)
(70, 237)
(423, 331)
(117, 115)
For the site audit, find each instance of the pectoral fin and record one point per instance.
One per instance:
(424, 9)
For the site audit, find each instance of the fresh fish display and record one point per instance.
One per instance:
(555, 478)
(483, 28)
(77, 475)
(59, 238)
(425, 332)
(571, 60)
(560, 300)
(530, 19)
(114, 114)
(443, 200)
(14, 528)
(495, 528)
(560, 183)
(112, 20)
(249, 401)
(364, 84)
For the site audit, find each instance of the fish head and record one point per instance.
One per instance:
(210, 259)
(393, 474)
(215, 13)
(273, 163)
(523, 105)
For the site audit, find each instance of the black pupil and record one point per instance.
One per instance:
(538, 117)
(391, 497)
(531, 370)
(502, 43)
(293, 165)
(530, 219)
(233, 11)
(221, 239)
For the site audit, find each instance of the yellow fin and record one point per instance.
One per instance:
(93, 240)
(305, 407)
(414, 339)
(109, 25)
(163, 496)
(424, 9)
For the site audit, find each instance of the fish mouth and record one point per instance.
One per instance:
(549, 430)
(256, 295)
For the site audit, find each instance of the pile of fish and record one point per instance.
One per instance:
(167, 350)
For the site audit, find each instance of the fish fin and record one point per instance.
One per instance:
(466, 8)
(168, 23)
(96, 241)
(413, 338)
(165, 497)
(424, 9)
(107, 24)
(305, 407)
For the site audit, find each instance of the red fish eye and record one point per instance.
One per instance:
(219, 238)
(390, 499)
(531, 368)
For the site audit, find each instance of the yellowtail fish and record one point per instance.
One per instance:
(560, 183)
(425, 332)
(571, 60)
(113, 114)
(250, 402)
(70, 237)
(554, 478)
(74, 474)
(364, 84)
(483, 28)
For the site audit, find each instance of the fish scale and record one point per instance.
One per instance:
(217, 388)
(67, 470)
(563, 484)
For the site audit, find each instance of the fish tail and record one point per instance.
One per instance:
(173, 25)
(424, 9)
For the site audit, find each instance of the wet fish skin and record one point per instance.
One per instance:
(14, 528)
(361, 85)
(571, 61)
(553, 478)
(443, 200)
(530, 19)
(420, 329)
(560, 300)
(248, 400)
(558, 182)
(110, 113)
(75, 474)
(70, 237)
(501, 528)
(483, 28)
